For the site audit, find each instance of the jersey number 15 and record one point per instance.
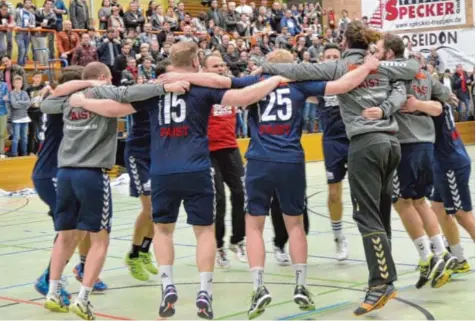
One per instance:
(278, 98)
(174, 109)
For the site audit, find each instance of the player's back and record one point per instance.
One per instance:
(179, 123)
(47, 162)
(138, 136)
(450, 152)
(331, 119)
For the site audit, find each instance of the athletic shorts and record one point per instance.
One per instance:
(263, 179)
(83, 200)
(451, 187)
(195, 189)
(335, 159)
(138, 166)
(414, 176)
(46, 189)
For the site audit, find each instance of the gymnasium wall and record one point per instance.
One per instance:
(15, 173)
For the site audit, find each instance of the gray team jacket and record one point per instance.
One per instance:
(372, 92)
(419, 127)
(90, 140)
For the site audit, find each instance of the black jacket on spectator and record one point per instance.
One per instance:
(231, 20)
(79, 14)
(217, 16)
(104, 53)
(235, 64)
(132, 21)
(276, 16)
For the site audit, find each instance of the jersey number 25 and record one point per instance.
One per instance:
(278, 98)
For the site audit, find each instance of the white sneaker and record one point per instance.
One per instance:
(341, 248)
(240, 251)
(222, 260)
(82, 309)
(281, 256)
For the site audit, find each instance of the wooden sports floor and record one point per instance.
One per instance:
(26, 239)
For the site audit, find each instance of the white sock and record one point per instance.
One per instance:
(337, 229)
(84, 293)
(301, 273)
(206, 281)
(166, 274)
(438, 243)
(458, 252)
(54, 288)
(422, 245)
(257, 274)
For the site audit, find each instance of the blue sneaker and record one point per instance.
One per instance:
(42, 286)
(204, 305)
(99, 286)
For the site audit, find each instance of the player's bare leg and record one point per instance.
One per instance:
(256, 259)
(298, 252)
(432, 228)
(450, 229)
(334, 203)
(83, 249)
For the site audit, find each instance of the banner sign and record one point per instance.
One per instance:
(394, 15)
(453, 46)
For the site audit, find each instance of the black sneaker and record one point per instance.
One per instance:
(169, 298)
(261, 299)
(302, 297)
(430, 270)
(376, 298)
(451, 263)
(204, 305)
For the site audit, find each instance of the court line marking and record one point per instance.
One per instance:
(27, 201)
(19, 301)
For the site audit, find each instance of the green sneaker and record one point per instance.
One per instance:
(55, 304)
(260, 300)
(146, 259)
(136, 268)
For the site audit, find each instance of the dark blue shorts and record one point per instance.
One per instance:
(46, 189)
(138, 166)
(195, 189)
(263, 178)
(335, 159)
(83, 200)
(414, 176)
(451, 187)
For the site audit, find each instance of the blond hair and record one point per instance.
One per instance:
(280, 56)
(182, 54)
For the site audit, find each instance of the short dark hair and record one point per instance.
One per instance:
(331, 46)
(161, 67)
(395, 43)
(71, 73)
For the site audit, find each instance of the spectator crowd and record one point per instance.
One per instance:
(132, 40)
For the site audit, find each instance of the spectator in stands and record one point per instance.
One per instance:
(24, 18)
(10, 71)
(365, 21)
(180, 11)
(79, 14)
(446, 80)
(19, 102)
(84, 53)
(45, 18)
(231, 18)
(188, 35)
(109, 49)
(115, 20)
(243, 8)
(276, 17)
(133, 18)
(461, 82)
(3, 118)
(129, 75)
(147, 36)
(434, 59)
(344, 21)
(94, 39)
(7, 21)
(59, 9)
(157, 19)
(104, 14)
(291, 23)
(199, 24)
(147, 69)
(9, 33)
(316, 48)
(244, 26)
(151, 9)
(172, 20)
(215, 14)
(66, 41)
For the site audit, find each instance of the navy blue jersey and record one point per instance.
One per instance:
(138, 136)
(178, 125)
(276, 122)
(331, 119)
(47, 162)
(450, 152)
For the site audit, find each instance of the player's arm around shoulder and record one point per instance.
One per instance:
(203, 79)
(400, 70)
(251, 94)
(318, 71)
(54, 104)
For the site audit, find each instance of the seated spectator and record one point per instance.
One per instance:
(147, 69)
(84, 53)
(129, 75)
(19, 102)
(147, 36)
(291, 23)
(188, 35)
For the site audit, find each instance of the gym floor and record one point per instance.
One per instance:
(26, 240)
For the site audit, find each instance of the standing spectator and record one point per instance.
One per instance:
(133, 18)
(461, 82)
(45, 18)
(66, 41)
(94, 39)
(434, 59)
(19, 102)
(104, 14)
(3, 117)
(109, 49)
(316, 48)
(231, 18)
(243, 8)
(84, 53)
(10, 71)
(157, 19)
(7, 23)
(115, 20)
(121, 63)
(344, 21)
(8, 33)
(215, 14)
(36, 92)
(447, 81)
(244, 26)
(79, 14)
(180, 11)
(200, 23)
(291, 23)
(276, 17)
(24, 18)
(172, 20)
(151, 9)
(59, 9)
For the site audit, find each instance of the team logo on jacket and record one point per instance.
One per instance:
(75, 115)
(220, 110)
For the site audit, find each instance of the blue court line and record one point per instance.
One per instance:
(344, 303)
(72, 275)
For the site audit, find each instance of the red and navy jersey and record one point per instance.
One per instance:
(47, 162)
(138, 136)
(276, 121)
(450, 152)
(178, 125)
(331, 119)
